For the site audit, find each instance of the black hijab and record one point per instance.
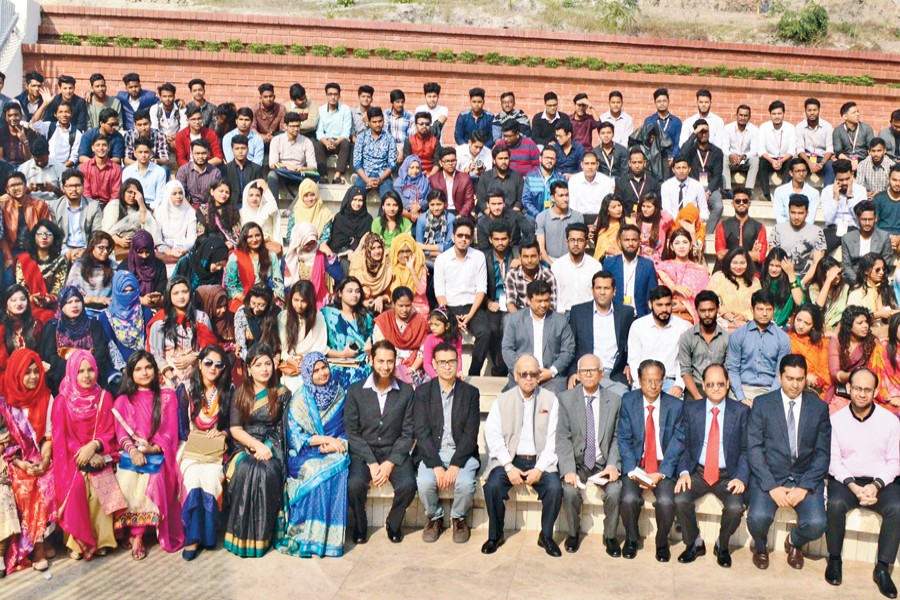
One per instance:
(211, 249)
(350, 225)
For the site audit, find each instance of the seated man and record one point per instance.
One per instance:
(530, 269)
(509, 112)
(474, 157)
(851, 140)
(777, 144)
(474, 118)
(375, 154)
(132, 99)
(63, 138)
(43, 173)
(424, 144)
(637, 182)
(838, 200)
(584, 124)
(788, 471)
(102, 176)
(197, 88)
(623, 122)
(184, 139)
(587, 446)
(306, 108)
(524, 155)
(568, 152)
(47, 110)
(76, 216)
(815, 142)
(165, 114)
(742, 154)
(742, 230)
(706, 160)
(256, 149)
(333, 133)
(292, 157)
(520, 228)
(520, 432)
(864, 240)
(681, 189)
(890, 134)
(159, 147)
(804, 242)
(543, 124)
(637, 274)
(20, 206)
(551, 225)
(15, 137)
(714, 461)
(588, 188)
(500, 177)
(545, 334)
(798, 170)
(456, 185)
(109, 129)
(499, 257)
(197, 175)
(439, 114)
(536, 194)
(378, 417)
(447, 416)
(651, 438)
(864, 471)
(704, 344)
(887, 207)
(152, 177)
(872, 172)
(613, 157)
(240, 170)
(574, 271)
(268, 115)
(657, 336)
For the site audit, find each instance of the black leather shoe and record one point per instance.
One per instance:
(691, 554)
(612, 547)
(572, 543)
(884, 582)
(630, 549)
(723, 556)
(360, 537)
(394, 536)
(834, 571)
(490, 546)
(663, 554)
(549, 546)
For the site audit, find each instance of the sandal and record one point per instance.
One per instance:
(102, 552)
(41, 565)
(138, 552)
(75, 555)
(89, 554)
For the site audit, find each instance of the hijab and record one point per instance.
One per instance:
(350, 225)
(318, 215)
(37, 400)
(375, 276)
(125, 314)
(210, 250)
(69, 331)
(323, 395)
(267, 206)
(411, 189)
(302, 234)
(209, 299)
(144, 269)
(402, 275)
(80, 400)
(173, 220)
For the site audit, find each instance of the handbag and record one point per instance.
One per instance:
(204, 449)
(154, 463)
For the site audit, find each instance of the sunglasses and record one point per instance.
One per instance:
(218, 364)
(742, 201)
(529, 374)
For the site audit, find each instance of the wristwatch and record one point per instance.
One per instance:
(508, 467)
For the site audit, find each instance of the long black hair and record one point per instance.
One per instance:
(268, 321)
(228, 214)
(818, 321)
(222, 385)
(845, 337)
(128, 387)
(263, 256)
(603, 218)
(747, 277)
(892, 345)
(292, 317)
(867, 262)
(55, 248)
(246, 397)
(399, 218)
(821, 274)
(359, 311)
(131, 182)
(190, 316)
(9, 321)
(89, 263)
(779, 286)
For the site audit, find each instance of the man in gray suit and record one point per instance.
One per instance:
(77, 216)
(542, 332)
(587, 445)
(876, 241)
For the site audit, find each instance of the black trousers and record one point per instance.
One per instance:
(343, 157)
(495, 322)
(632, 500)
(841, 500)
(403, 480)
(765, 172)
(496, 491)
(687, 514)
(481, 331)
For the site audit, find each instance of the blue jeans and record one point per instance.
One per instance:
(811, 520)
(463, 489)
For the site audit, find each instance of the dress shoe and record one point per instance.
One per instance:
(612, 547)
(663, 554)
(360, 537)
(394, 536)
(794, 554)
(190, 555)
(433, 530)
(549, 546)
(761, 559)
(882, 579)
(692, 553)
(491, 546)
(573, 542)
(460, 531)
(630, 549)
(834, 571)
(723, 556)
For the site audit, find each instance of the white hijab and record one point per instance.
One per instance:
(174, 221)
(302, 234)
(267, 207)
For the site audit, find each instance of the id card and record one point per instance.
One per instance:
(841, 228)
(626, 299)
(501, 299)
(814, 158)
(704, 178)
(854, 160)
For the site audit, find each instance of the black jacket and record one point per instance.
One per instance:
(581, 320)
(429, 421)
(374, 437)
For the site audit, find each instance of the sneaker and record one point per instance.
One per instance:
(432, 531)
(461, 531)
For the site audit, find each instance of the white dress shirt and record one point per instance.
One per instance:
(606, 348)
(693, 194)
(840, 213)
(648, 340)
(716, 129)
(741, 142)
(623, 126)
(586, 196)
(538, 348)
(460, 280)
(655, 417)
(709, 420)
(786, 406)
(777, 143)
(381, 393)
(493, 434)
(60, 149)
(573, 282)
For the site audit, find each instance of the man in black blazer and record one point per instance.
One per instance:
(714, 461)
(500, 257)
(789, 446)
(240, 171)
(447, 414)
(613, 322)
(378, 417)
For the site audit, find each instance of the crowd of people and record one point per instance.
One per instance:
(176, 362)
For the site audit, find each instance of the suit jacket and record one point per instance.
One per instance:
(374, 437)
(631, 431)
(91, 216)
(512, 253)
(881, 245)
(734, 437)
(644, 281)
(581, 320)
(145, 101)
(769, 450)
(463, 191)
(559, 343)
(571, 429)
(465, 420)
(890, 142)
(252, 172)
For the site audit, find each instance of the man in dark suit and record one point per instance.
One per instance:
(447, 415)
(499, 258)
(613, 324)
(877, 241)
(378, 417)
(714, 462)
(240, 171)
(461, 199)
(556, 348)
(635, 275)
(789, 446)
(586, 445)
(651, 438)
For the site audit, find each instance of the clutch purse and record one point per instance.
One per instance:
(204, 449)
(154, 463)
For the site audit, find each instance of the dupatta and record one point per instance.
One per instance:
(34, 281)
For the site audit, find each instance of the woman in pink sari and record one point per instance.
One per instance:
(83, 438)
(682, 273)
(147, 432)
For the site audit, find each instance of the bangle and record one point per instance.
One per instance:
(795, 285)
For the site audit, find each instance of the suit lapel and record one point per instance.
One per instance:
(663, 420)
(727, 431)
(603, 407)
(782, 421)
(437, 407)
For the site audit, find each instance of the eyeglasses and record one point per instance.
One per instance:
(714, 385)
(210, 363)
(102, 248)
(592, 371)
(446, 363)
(465, 236)
(861, 390)
(72, 186)
(529, 374)
(652, 381)
(424, 123)
(44, 234)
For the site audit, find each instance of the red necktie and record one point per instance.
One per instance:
(711, 468)
(651, 463)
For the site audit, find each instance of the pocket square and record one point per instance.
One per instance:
(544, 411)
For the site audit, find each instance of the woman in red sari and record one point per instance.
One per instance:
(18, 328)
(43, 269)
(24, 408)
(406, 329)
(84, 438)
(252, 262)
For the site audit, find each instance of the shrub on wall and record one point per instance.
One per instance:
(804, 26)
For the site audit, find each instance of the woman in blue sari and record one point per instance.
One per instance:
(315, 494)
(349, 334)
(125, 321)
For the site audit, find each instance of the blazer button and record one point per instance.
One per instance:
(379, 439)
(380, 423)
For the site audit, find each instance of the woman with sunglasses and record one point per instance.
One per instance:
(204, 403)
(43, 268)
(92, 273)
(872, 288)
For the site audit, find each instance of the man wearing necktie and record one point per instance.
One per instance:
(714, 462)
(789, 448)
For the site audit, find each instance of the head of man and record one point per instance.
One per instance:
(197, 88)
(398, 101)
(33, 83)
(166, 93)
(894, 180)
(510, 132)
(637, 162)
(423, 124)
(661, 304)
(476, 101)
(266, 95)
(576, 240)
(701, 131)
(16, 186)
(67, 87)
(72, 182)
(763, 305)
(332, 95)
(812, 107)
(792, 375)
(530, 255)
(843, 175)
(629, 241)
(707, 304)
(590, 372)
(877, 150)
(559, 192)
(384, 357)
(616, 101)
(143, 151)
(537, 293)
(476, 143)
(865, 217)
(432, 93)
(194, 118)
(364, 95)
(200, 152)
(551, 105)
(496, 203)
(564, 134)
(142, 123)
(527, 374)
(499, 237)
(863, 385)
(100, 147)
(606, 131)
(590, 165)
(108, 120)
(776, 112)
(132, 83)
(603, 288)
(704, 102)
(448, 161)
(799, 171)
(715, 383)
(13, 114)
(548, 159)
(445, 362)
(581, 103)
(500, 156)
(798, 210)
(661, 101)
(743, 115)
(741, 202)
(651, 375)
(40, 152)
(243, 119)
(507, 102)
(850, 114)
(681, 168)
(463, 229)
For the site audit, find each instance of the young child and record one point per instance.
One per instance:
(9, 517)
(443, 329)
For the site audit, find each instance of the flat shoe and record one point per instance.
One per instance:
(41, 565)
(75, 555)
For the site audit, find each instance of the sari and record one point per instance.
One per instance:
(412, 190)
(888, 378)
(607, 243)
(153, 498)
(833, 310)
(256, 487)
(124, 321)
(374, 276)
(875, 363)
(18, 331)
(242, 271)
(733, 298)
(342, 333)
(314, 517)
(42, 278)
(314, 340)
(10, 528)
(408, 339)
(319, 216)
(651, 250)
(266, 215)
(223, 327)
(414, 278)
(306, 266)
(691, 274)
(816, 359)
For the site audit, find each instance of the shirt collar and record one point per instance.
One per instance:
(608, 313)
(785, 399)
(719, 331)
(865, 418)
(370, 384)
(720, 406)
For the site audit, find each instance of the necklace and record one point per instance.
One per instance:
(211, 402)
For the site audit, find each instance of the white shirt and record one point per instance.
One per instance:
(777, 144)
(538, 349)
(865, 245)
(493, 434)
(741, 142)
(464, 158)
(693, 194)
(35, 174)
(655, 417)
(382, 394)
(573, 282)
(629, 273)
(60, 151)
(606, 348)
(840, 213)
(716, 129)
(809, 139)
(709, 420)
(647, 340)
(459, 281)
(595, 410)
(623, 126)
(786, 406)
(586, 196)
(171, 124)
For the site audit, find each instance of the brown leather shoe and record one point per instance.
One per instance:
(461, 531)
(432, 531)
(761, 560)
(794, 554)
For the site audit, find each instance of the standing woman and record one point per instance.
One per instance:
(84, 437)
(205, 263)
(808, 339)
(301, 330)
(351, 223)
(407, 264)
(828, 291)
(779, 277)
(309, 208)
(149, 270)
(18, 328)
(406, 329)
(204, 403)
(124, 217)
(853, 347)
(349, 334)
(255, 472)
(370, 267)
(92, 273)
(125, 321)
(43, 268)
(887, 367)
(391, 223)
(24, 406)
(147, 432)
(252, 262)
(177, 223)
(217, 216)
(315, 512)
(213, 300)
(682, 274)
(256, 321)
(259, 206)
(610, 218)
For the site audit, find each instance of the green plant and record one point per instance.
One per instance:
(594, 64)
(69, 39)
(383, 52)
(147, 43)
(796, 77)
(95, 39)
(552, 63)
(257, 48)
(684, 70)
(780, 74)
(575, 62)
(279, 49)
(446, 56)
(211, 46)
(650, 68)
(512, 61)
(467, 57)
(361, 53)
(613, 66)
(400, 55)
(618, 14)
(533, 61)
(570, 3)
(631, 68)
(492, 58)
(320, 50)
(235, 45)
(193, 45)
(804, 26)
(340, 52)
(422, 55)
(123, 41)
(345, 3)
(171, 43)
(297, 50)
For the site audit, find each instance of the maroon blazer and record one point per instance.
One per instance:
(463, 191)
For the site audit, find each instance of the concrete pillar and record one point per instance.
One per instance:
(28, 13)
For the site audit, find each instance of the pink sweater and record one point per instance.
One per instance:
(428, 353)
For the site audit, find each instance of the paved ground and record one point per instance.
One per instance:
(381, 570)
